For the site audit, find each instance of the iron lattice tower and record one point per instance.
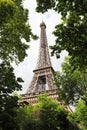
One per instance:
(43, 79)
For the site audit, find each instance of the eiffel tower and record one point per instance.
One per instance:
(43, 78)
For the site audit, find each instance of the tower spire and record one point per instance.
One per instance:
(43, 58)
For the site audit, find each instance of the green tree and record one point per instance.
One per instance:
(53, 116)
(80, 115)
(6, 10)
(25, 117)
(14, 33)
(47, 114)
(71, 34)
(71, 83)
(8, 103)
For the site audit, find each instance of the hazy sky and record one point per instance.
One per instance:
(51, 18)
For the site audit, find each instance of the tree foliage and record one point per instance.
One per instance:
(71, 33)
(53, 116)
(47, 114)
(15, 31)
(71, 83)
(80, 115)
(8, 103)
(6, 10)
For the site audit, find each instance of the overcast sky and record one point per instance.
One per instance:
(51, 18)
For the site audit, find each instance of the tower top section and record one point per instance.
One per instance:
(44, 57)
(43, 24)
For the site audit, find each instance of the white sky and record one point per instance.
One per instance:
(51, 18)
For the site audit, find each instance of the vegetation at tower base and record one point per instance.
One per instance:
(72, 84)
(14, 30)
(71, 34)
(80, 115)
(47, 114)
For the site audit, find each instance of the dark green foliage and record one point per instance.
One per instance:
(14, 31)
(71, 83)
(80, 115)
(85, 98)
(71, 34)
(8, 103)
(52, 115)
(63, 6)
(8, 114)
(71, 37)
(25, 118)
(44, 5)
(47, 115)
(6, 11)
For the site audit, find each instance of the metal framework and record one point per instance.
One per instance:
(43, 78)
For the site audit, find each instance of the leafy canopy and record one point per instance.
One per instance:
(47, 114)
(80, 115)
(8, 103)
(15, 31)
(71, 83)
